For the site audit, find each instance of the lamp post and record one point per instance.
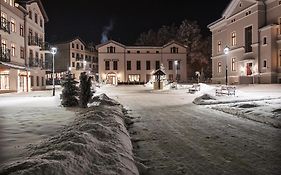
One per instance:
(85, 63)
(176, 67)
(226, 51)
(53, 51)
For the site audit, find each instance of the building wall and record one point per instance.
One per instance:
(263, 57)
(143, 54)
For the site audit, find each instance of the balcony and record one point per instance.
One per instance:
(5, 55)
(35, 62)
(5, 25)
(45, 46)
(35, 41)
(79, 58)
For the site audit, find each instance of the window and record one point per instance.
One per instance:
(138, 65)
(4, 45)
(249, 68)
(178, 65)
(171, 77)
(77, 65)
(73, 64)
(147, 65)
(280, 25)
(174, 50)
(82, 48)
(128, 51)
(170, 65)
(129, 66)
(73, 55)
(41, 22)
(22, 52)
(157, 51)
(12, 2)
(82, 56)
(279, 3)
(77, 46)
(110, 49)
(134, 78)
(248, 13)
(233, 68)
(219, 67)
(148, 51)
(264, 64)
(115, 65)
(36, 18)
(248, 39)
(13, 46)
(32, 81)
(73, 45)
(264, 41)
(138, 51)
(157, 65)
(42, 81)
(233, 39)
(13, 25)
(21, 30)
(37, 80)
(219, 46)
(107, 66)
(30, 14)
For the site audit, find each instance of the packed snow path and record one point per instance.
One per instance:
(173, 136)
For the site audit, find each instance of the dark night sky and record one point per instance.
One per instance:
(87, 18)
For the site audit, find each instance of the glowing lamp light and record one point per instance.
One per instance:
(226, 50)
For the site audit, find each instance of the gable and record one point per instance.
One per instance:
(117, 46)
(237, 6)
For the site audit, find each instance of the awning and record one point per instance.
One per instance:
(13, 65)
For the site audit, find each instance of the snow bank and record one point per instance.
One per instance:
(97, 142)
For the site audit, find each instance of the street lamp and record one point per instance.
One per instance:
(53, 52)
(176, 67)
(226, 51)
(84, 62)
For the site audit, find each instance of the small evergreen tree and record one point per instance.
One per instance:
(69, 92)
(85, 93)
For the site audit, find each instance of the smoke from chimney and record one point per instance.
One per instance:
(106, 30)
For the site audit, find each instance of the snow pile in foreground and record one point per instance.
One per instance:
(97, 142)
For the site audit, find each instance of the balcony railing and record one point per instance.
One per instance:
(35, 41)
(45, 46)
(5, 25)
(35, 62)
(5, 55)
(79, 58)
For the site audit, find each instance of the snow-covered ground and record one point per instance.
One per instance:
(27, 118)
(96, 142)
(172, 135)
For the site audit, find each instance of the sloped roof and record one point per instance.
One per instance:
(28, 2)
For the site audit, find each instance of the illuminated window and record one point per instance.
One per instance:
(233, 39)
(219, 46)
(12, 2)
(219, 67)
(233, 67)
(134, 78)
(13, 25)
(13, 46)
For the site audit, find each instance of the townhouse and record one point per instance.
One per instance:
(22, 50)
(122, 64)
(246, 43)
(75, 56)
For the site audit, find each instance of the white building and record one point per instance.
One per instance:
(22, 46)
(123, 64)
(251, 29)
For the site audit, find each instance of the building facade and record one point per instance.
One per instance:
(246, 43)
(75, 56)
(122, 64)
(22, 39)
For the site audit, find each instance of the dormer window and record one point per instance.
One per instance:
(111, 49)
(174, 50)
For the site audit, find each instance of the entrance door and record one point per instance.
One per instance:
(111, 79)
(22, 84)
